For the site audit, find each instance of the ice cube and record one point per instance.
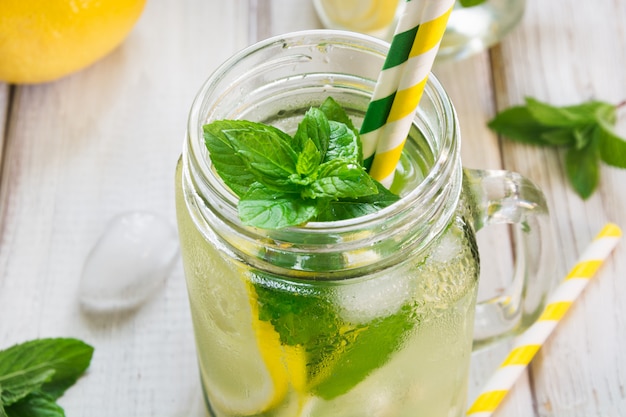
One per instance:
(376, 297)
(129, 262)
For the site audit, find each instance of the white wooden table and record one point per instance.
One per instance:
(81, 150)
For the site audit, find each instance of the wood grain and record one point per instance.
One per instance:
(567, 55)
(82, 150)
(103, 141)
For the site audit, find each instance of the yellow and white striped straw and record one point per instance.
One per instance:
(413, 79)
(389, 78)
(529, 342)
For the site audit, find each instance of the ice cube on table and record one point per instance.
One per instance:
(129, 262)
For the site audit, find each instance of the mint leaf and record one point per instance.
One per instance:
(335, 113)
(349, 208)
(470, 3)
(266, 155)
(314, 126)
(267, 209)
(67, 359)
(583, 135)
(568, 116)
(286, 181)
(344, 144)
(19, 384)
(357, 349)
(612, 147)
(36, 405)
(228, 163)
(607, 114)
(558, 137)
(340, 178)
(585, 129)
(370, 349)
(308, 160)
(582, 167)
(35, 373)
(517, 123)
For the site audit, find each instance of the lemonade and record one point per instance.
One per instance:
(314, 291)
(364, 315)
(392, 341)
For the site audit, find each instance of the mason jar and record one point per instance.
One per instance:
(470, 29)
(368, 316)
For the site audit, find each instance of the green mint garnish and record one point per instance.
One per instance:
(316, 175)
(339, 354)
(470, 3)
(35, 373)
(586, 130)
(281, 181)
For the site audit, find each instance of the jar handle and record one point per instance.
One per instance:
(497, 197)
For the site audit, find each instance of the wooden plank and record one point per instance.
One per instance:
(567, 55)
(82, 150)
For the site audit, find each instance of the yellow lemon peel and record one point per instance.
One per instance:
(43, 40)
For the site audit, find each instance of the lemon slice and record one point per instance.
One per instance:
(239, 355)
(244, 368)
(361, 15)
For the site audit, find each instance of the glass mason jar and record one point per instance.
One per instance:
(469, 29)
(369, 316)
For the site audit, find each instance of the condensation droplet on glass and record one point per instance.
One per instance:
(129, 262)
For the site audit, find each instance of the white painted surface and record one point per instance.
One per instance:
(104, 141)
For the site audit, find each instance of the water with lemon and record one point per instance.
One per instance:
(394, 341)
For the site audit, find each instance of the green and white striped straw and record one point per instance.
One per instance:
(397, 94)
(389, 78)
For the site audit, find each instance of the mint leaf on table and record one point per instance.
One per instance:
(286, 181)
(586, 130)
(583, 170)
(36, 404)
(35, 373)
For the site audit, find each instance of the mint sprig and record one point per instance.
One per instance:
(586, 130)
(35, 373)
(282, 181)
(470, 3)
(339, 354)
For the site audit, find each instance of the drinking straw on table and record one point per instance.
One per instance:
(529, 342)
(401, 83)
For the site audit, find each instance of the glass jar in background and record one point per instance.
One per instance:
(470, 29)
(371, 17)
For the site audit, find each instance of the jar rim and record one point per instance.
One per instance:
(446, 157)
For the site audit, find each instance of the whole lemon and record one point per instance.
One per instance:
(42, 40)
